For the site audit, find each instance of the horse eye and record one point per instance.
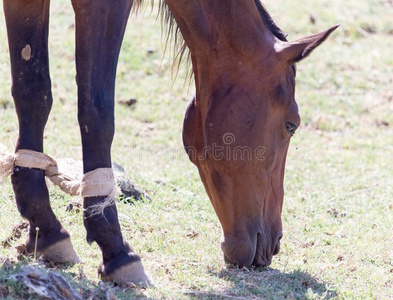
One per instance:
(290, 127)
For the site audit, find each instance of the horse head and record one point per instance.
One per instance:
(238, 127)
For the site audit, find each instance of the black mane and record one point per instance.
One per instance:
(174, 37)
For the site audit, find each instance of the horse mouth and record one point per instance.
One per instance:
(246, 252)
(265, 250)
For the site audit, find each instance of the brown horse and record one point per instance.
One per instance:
(236, 129)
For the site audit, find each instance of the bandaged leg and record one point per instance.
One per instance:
(96, 69)
(120, 264)
(28, 169)
(27, 31)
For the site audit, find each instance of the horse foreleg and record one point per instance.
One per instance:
(27, 28)
(100, 28)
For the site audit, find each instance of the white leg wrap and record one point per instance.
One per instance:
(6, 162)
(99, 182)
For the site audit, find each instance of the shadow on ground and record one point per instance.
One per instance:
(23, 280)
(266, 283)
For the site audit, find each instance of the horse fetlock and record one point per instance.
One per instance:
(32, 196)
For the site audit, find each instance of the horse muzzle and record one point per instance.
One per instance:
(254, 250)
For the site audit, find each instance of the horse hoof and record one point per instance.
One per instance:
(61, 252)
(131, 274)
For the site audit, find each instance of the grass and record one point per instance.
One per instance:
(338, 213)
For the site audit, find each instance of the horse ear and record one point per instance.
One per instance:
(293, 52)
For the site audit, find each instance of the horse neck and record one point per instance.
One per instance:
(213, 24)
(223, 36)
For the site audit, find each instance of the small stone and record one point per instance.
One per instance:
(150, 51)
(128, 102)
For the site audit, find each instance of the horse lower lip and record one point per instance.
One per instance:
(263, 256)
(259, 260)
